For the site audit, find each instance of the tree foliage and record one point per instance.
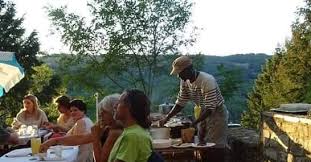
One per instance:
(286, 76)
(125, 39)
(13, 38)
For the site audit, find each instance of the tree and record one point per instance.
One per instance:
(126, 39)
(229, 81)
(12, 38)
(286, 77)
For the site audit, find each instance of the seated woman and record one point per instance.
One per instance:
(83, 125)
(31, 114)
(134, 144)
(65, 121)
(102, 138)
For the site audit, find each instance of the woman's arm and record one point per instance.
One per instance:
(107, 147)
(67, 140)
(75, 139)
(44, 119)
(96, 134)
(16, 121)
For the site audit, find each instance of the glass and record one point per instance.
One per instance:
(22, 130)
(35, 131)
(35, 145)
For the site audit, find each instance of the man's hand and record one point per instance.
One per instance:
(163, 121)
(13, 139)
(176, 109)
(194, 124)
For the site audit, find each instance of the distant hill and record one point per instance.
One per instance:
(251, 63)
(248, 64)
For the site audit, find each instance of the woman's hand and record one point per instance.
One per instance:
(48, 125)
(96, 131)
(46, 145)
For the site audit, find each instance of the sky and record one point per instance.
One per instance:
(227, 26)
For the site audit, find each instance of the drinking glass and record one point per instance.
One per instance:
(35, 145)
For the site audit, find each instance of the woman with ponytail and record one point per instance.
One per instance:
(134, 144)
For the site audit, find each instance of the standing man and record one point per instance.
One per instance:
(203, 90)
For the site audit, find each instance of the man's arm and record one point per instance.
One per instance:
(176, 109)
(182, 100)
(4, 136)
(8, 138)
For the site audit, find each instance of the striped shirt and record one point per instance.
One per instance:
(204, 92)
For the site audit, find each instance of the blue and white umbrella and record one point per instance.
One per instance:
(10, 71)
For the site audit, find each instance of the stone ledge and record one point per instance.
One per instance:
(285, 137)
(244, 145)
(244, 135)
(292, 118)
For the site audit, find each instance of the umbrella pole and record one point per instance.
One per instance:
(96, 100)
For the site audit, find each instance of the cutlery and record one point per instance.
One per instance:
(22, 155)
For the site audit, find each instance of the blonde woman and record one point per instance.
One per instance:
(31, 114)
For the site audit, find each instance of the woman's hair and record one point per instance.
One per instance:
(139, 106)
(64, 101)
(108, 103)
(35, 101)
(78, 104)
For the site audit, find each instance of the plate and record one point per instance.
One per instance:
(52, 159)
(195, 145)
(161, 143)
(62, 147)
(183, 145)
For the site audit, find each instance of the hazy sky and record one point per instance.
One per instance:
(228, 26)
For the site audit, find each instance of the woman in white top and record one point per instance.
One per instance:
(31, 114)
(65, 121)
(83, 125)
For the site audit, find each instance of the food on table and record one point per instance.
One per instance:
(187, 135)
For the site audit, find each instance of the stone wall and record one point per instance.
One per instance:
(285, 137)
(243, 145)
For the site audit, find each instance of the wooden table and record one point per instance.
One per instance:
(188, 154)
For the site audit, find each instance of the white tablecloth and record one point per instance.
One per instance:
(69, 154)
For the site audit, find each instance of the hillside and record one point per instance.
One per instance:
(248, 64)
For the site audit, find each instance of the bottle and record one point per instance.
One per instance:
(197, 111)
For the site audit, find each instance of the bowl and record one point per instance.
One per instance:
(160, 133)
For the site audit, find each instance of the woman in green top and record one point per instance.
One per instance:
(134, 144)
